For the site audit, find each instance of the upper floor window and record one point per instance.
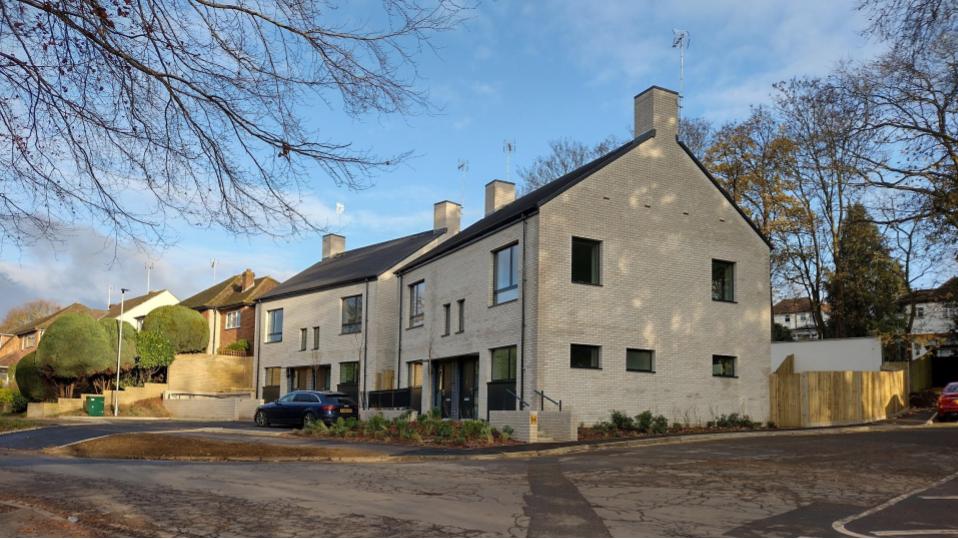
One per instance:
(586, 255)
(28, 341)
(723, 366)
(303, 338)
(919, 312)
(417, 304)
(233, 320)
(315, 337)
(723, 280)
(584, 356)
(505, 274)
(447, 324)
(461, 304)
(352, 314)
(274, 325)
(639, 360)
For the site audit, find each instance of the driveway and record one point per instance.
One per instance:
(772, 486)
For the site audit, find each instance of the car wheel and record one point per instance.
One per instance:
(308, 418)
(261, 420)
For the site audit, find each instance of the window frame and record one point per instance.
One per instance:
(512, 289)
(512, 360)
(597, 262)
(237, 320)
(447, 319)
(417, 305)
(356, 326)
(315, 337)
(598, 356)
(354, 365)
(722, 299)
(461, 307)
(734, 365)
(651, 352)
(267, 375)
(303, 339)
(273, 336)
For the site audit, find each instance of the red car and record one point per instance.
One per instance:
(948, 401)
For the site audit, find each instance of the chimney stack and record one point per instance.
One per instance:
(498, 194)
(657, 108)
(333, 244)
(247, 279)
(446, 214)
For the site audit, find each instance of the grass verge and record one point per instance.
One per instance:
(156, 446)
(10, 424)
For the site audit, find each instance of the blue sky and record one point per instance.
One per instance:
(529, 72)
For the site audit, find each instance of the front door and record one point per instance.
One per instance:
(468, 387)
(323, 373)
(455, 387)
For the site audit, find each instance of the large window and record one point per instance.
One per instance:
(352, 314)
(417, 305)
(584, 356)
(723, 366)
(639, 360)
(349, 372)
(586, 255)
(723, 280)
(233, 320)
(504, 364)
(505, 274)
(274, 325)
(303, 338)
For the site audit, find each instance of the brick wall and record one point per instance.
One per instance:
(246, 330)
(210, 374)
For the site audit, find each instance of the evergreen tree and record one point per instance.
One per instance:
(867, 282)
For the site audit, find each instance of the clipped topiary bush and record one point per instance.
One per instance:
(31, 382)
(156, 351)
(184, 328)
(73, 348)
(128, 351)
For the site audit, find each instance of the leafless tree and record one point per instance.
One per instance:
(565, 155)
(30, 311)
(125, 113)
(696, 134)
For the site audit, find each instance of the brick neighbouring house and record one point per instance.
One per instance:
(25, 339)
(229, 308)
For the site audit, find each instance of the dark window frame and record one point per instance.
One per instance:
(303, 339)
(315, 337)
(511, 287)
(597, 262)
(461, 306)
(720, 295)
(350, 325)
(511, 359)
(597, 357)
(651, 368)
(349, 364)
(274, 336)
(723, 357)
(417, 304)
(447, 319)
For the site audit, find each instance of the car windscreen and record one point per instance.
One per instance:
(951, 388)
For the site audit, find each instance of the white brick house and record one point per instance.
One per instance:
(632, 283)
(333, 325)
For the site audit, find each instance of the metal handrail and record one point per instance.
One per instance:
(522, 402)
(544, 397)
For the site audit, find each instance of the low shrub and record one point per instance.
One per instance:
(474, 430)
(240, 345)
(732, 421)
(317, 428)
(659, 425)
(643, 421)
(622, 421)
(507, 432)
(11, 401)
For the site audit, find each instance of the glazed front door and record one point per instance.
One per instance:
(444, 382)
(468, 387)
(455, 387)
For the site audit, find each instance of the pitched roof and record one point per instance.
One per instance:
(131, 303)
(946, 292)
(44, 323)
(230, 293)
(530, 203)
(353, 266)
(8, 360)
(792, 306)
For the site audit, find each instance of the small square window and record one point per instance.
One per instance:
(586, 261)
(349, 372)
(723, 280)
(723, 366)
(504, 364)
(584, 356)
(233, 320)
(639, 360)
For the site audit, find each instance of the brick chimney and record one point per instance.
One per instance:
(446, 215)
(247, 278)
(333, 244)
(657, 108)
(498, 194)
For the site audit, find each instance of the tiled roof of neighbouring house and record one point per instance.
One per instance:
(792, 306)
(230, 293)
(8, 360)
(946, 292)
(353, 266)
(44, 323)
(131, 303)
(530, 202)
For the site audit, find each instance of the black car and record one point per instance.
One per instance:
(301, 407)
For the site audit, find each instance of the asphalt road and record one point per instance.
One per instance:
(872, 484)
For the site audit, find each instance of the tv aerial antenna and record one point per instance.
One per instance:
(509, 148)
(681, 41)
(463, 167)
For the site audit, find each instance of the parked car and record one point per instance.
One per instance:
(300, 407)
(948, 401)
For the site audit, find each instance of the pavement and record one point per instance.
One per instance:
(898, 481)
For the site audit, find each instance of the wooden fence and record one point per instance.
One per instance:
(919, 372)
(821, 399)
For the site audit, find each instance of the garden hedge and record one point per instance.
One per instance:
(185, 328)
(129, 350)
(31, 382)
(75, 346)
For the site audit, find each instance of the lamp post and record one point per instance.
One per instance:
(119, 347)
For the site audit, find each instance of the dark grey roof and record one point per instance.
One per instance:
(529, 204)
(353, 266)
